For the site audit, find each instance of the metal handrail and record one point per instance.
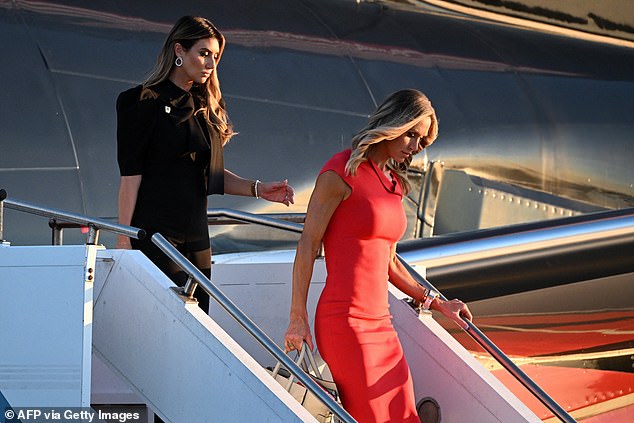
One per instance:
(264, 220)
(222, 217)
(235, 312)
(94, 224)
(498, 354)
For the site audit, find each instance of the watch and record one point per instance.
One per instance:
(429, 298)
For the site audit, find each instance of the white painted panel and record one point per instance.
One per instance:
(46, 325)
(262, 290)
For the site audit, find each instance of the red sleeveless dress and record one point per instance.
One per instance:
(353, 326)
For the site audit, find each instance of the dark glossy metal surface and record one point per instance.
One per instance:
(515, 105)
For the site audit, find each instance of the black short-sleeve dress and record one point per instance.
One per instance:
(178, 155)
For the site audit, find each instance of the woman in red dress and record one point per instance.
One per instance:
(356, 211)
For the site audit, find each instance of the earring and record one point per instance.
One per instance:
(179, 61)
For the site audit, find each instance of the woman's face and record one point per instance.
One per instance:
(410, 142)
(199, 61)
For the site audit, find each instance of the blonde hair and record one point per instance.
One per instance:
(397, 114)
(187, 31)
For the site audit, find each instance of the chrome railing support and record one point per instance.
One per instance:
(190, 287)
(3, 195)
(497, 354)
(57, 232)
(250, 326)
(93, 234)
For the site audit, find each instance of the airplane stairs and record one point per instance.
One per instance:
(178, 360)
(173, 356)
(176, 357)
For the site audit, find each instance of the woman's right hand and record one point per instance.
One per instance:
(298, 331)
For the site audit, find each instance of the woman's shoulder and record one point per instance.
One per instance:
(137, 107)
(137, 95)
(339, 160)
(337, 163)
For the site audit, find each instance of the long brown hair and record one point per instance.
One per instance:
(187, 31)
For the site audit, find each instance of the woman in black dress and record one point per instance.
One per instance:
(171, 131)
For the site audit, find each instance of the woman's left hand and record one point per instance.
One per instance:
(455, 309)
(278, 192)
